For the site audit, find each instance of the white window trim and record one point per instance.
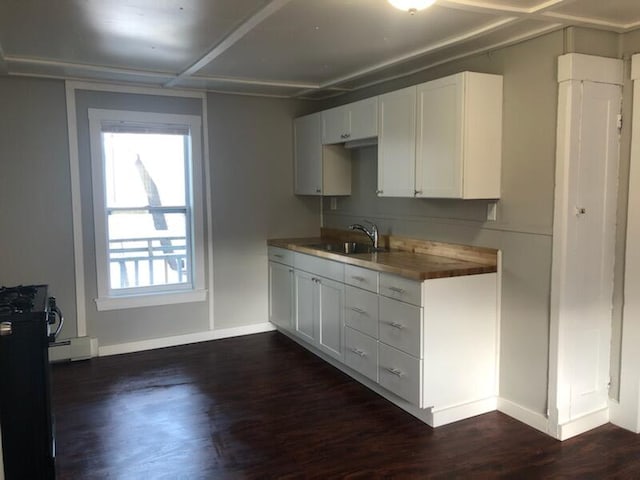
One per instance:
(108, 300)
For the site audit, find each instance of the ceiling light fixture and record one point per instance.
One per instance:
(411, 6)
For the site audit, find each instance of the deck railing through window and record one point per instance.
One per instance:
(136, 262)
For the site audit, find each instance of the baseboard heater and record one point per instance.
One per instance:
(77, 348)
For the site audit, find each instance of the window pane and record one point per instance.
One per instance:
(145, 169)
(148, 248)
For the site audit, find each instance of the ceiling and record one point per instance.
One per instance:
(289, 48)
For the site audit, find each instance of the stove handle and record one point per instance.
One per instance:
(55, 334)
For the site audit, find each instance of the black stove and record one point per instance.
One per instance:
(27, 317)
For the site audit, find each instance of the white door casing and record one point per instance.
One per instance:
(583, 242)
(626, 412)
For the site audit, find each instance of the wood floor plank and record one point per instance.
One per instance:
(262, 407)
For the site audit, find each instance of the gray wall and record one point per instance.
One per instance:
(36, 237)
(251, 144)
(523, 231)
(252, 184)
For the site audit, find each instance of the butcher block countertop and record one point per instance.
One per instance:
(407, 257)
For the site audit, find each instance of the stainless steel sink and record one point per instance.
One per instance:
(346, 248)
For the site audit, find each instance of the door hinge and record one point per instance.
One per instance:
(619, 122)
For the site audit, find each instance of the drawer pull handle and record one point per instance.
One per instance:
(359, 311)
(359, 352)
(358, 278)
(277, 255)
(397, 325)
(395, 371)
(397, 290)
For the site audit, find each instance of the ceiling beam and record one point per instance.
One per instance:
(231, 39)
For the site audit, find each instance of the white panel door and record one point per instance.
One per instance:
(590, 235)
(364, 119)
(331, 317)
(305, 305)
(308, 154)
(397, 143)
(439, 138)
(335, 125)
(281, 295)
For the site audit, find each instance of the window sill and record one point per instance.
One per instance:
(150, 300)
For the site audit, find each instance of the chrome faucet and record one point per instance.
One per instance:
(372, 233)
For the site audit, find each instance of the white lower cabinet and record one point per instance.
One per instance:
(330, 317)
(306, 306)
(432, 344)
(361, 353)
(281, 295)
(400, 373)
(319, 307)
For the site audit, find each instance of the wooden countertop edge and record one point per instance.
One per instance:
(374, 262)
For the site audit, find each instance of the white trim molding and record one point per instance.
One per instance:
(522, 414)
(580, 425)
(626, 412)
(164, 342)
(71, 87)
(580, 67)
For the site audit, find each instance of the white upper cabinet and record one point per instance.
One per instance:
(459, 137)
(319, 170)
(397, 143)
(353, 121)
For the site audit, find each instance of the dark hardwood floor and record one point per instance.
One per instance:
(263, 407)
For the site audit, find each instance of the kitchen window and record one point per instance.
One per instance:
(147, 208)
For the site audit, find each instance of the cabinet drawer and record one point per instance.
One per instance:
(320, 266)
(401, 288)
(280, 255)
(361, 353)
(361, 277)
(400, 373)
(400, 326)
(362, 311)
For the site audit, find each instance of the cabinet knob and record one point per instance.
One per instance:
(379, 192)
(318, 190)
(417, 192)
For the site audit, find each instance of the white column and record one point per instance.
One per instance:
(587, 154)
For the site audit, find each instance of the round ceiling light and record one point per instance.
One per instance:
(411, 6)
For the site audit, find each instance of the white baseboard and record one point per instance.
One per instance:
(154, 343)
(524, 415)
(583, 424)
(77, 348)
(460, 412)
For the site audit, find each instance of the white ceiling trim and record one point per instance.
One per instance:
(451, 41)
(505, 43)
(249, 81)
(236, 35)
(592, 22)
(543, 11)
(86, 67)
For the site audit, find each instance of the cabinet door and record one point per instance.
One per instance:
(439, 143)
(397, 143)
(305, 305)
(330, 317)
(281, 295)
(335, 125)
(364, 119)
(308, 154)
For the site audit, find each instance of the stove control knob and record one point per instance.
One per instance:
(6, 329)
